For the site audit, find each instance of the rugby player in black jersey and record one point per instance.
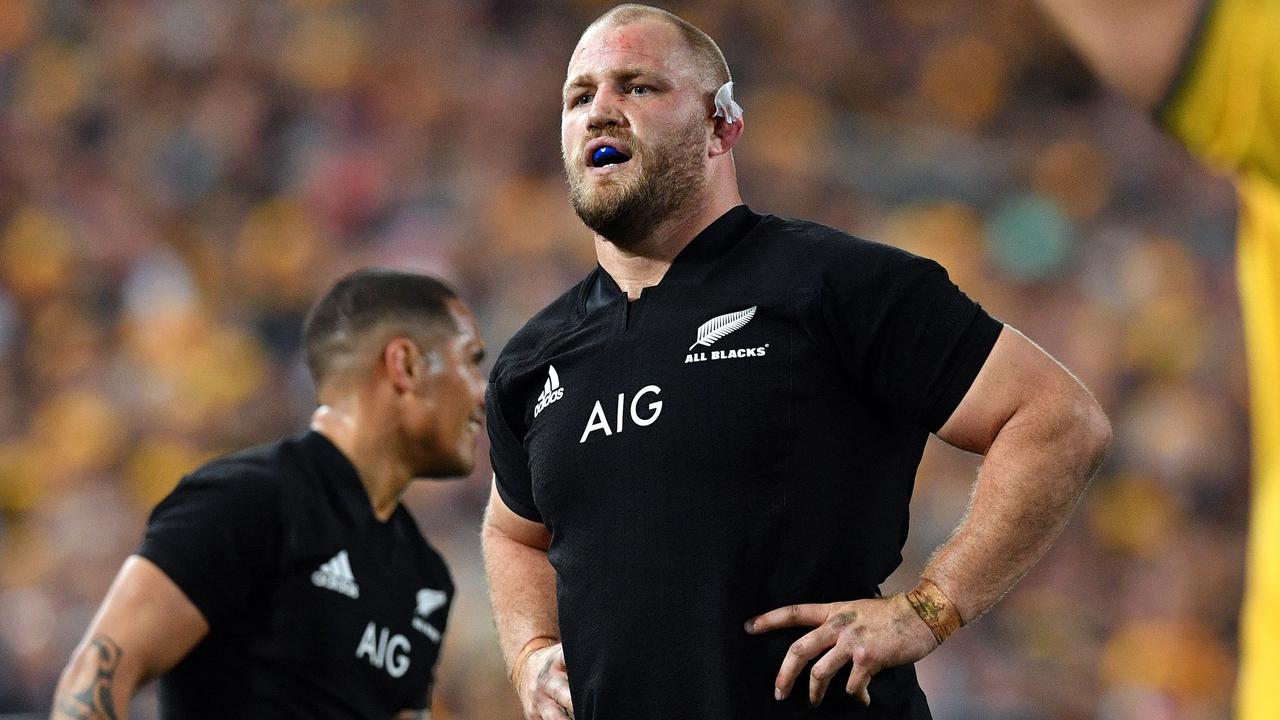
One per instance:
(288, 580)
(704, 452)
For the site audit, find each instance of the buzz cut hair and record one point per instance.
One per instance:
(712, 67)
(374, 301)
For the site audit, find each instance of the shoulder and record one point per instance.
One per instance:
(819, 255)
(540, 333)
(1214, 102)
(255, 475)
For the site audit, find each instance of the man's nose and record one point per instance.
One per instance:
(606, 109)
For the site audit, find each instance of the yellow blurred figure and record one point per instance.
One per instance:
(1211, 71)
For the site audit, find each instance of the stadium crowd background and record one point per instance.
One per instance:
(180, 179)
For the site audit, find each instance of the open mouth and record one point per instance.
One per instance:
(603, 153)
(608, 155)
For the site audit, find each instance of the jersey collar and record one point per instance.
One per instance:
(692, 263)
(338, 471)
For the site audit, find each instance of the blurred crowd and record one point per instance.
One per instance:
(179, 179)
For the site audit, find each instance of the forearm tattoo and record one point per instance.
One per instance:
(94, 702)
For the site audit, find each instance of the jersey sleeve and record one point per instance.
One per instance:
(509, 458)
(1224, 102)
(216, 536)
(909, 337)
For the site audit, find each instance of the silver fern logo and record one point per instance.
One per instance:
(718, 327)
(715, 329)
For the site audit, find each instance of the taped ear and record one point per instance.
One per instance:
(726, 107)
(728, 127)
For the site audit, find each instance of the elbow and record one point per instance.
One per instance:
(489, 531)
(1093, 431)
(96, 658)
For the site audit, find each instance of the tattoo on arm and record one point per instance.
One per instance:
(94, 702)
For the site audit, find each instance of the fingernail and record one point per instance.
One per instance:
(749, 626)
(777, 693)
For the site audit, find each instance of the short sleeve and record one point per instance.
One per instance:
(509, 458)
(1224, 101)
(216, 536)
(908, 336)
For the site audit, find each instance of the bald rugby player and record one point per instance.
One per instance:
(704, 452)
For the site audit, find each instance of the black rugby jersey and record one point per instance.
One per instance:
(743, 436)
(316, 608)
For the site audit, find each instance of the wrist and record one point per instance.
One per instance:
(933, 607)
(531, 647)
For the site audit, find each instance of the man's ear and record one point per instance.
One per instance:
(725, 135)
(400, 360)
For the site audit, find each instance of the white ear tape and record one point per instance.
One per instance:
(725, 106)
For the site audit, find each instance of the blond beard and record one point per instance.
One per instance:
(624, 212)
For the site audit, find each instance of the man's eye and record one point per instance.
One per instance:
(582, 99)
(639, 89)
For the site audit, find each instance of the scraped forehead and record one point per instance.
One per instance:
(650, 44)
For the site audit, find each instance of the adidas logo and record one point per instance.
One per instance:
(551, 391)
(336, 575)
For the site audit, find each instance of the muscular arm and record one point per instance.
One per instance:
(522, 589)
(522, 584)
(1134, 45)
(1043, 436)
(144, 627)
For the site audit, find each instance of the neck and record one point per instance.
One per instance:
(645, 262)
(384, 477)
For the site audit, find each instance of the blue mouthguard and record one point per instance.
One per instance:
(607, 155)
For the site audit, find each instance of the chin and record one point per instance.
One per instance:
(438, 465)
(615, 213)
(448, 471)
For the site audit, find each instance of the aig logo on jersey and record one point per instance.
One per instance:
(641, 416)
(716, 329)
(385, 650)
(551, 391)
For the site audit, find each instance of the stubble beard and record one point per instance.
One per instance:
(624, 211)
